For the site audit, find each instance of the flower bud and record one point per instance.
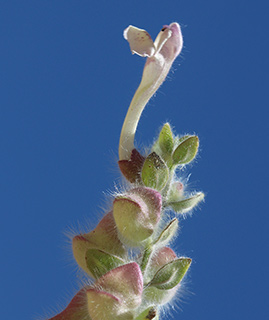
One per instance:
(176, 192)
(137, 214)
(104, 237)
(76, 310)
(105, 306)
(116, 293)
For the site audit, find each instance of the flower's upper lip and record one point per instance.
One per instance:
(176, 41)
(141, 42)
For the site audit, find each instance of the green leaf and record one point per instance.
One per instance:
(179, 140)
(148, 314)
(171, 274)
(168, 232)
(166, 140)
(186, 204)
(154, 173)
(186, 150)
(100, 262)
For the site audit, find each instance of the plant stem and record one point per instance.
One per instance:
(167, 187)
(145, 259)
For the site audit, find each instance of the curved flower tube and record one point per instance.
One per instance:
(161, 54)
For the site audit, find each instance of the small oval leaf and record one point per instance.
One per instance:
(100, 262)
(171, 274)
(166, 140)
(186, 204)
(154, 173)
(168, 232)
(186, 151)
(148, 314)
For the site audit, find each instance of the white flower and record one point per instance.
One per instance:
(161, 54)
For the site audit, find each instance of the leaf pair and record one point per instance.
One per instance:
(176, 151)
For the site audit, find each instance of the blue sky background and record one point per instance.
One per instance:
(66, 81)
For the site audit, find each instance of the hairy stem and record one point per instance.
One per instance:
(145, 259)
